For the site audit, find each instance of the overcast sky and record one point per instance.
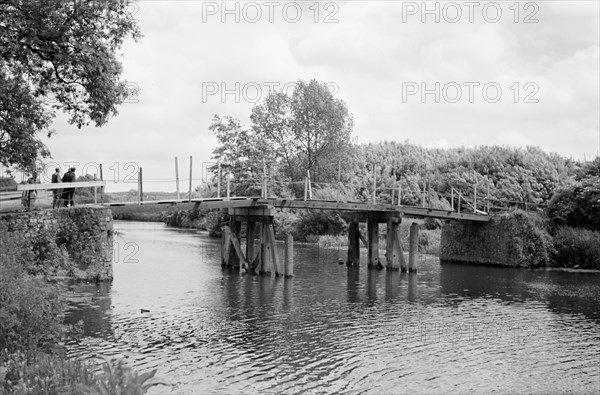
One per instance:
(498, 80)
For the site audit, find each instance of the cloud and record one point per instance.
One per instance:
(369, 53)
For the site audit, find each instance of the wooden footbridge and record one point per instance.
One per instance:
(257, 215)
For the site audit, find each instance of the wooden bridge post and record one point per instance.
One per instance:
(373, 238)
(353, 244)
(250, 235)
(289, 256)
(265, 250)
(452, 198)
(475, 198)
(413, 246)
(391, 250)
(236, 228)
(403, 265)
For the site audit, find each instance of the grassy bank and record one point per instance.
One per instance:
(32, 335)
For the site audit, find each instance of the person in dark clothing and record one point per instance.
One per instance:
(56, 193)
(69, 192)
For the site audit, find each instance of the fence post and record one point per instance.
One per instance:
(475, 198)
(488, 196)
(374, 183)
(219, 179)
(228, 187)
(400, 193)
(309, 185)
(95, 191)
(140, 191)
(177, 178)
(101, 188)
(190, 188)
(264, 188)
(394, 184)
(305, 188)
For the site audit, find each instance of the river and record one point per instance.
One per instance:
(331, 329)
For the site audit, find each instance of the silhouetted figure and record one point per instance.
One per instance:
(69, 192)
(56, 193)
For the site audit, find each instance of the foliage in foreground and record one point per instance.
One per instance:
(32, 334)
(50, 374)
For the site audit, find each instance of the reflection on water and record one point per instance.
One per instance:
(333, 328)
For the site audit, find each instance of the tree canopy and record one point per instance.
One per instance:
(58, 55)
(308, 130)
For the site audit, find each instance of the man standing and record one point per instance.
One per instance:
(68, 192)
(56, 193)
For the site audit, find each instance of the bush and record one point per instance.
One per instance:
(318, 222)
(30, 308)
(50, 374)
(577, 247)
(532, 245)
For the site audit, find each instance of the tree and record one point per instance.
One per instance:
(239, 153)
(58, 55)
(309, 130)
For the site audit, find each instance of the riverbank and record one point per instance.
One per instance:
(33, 335)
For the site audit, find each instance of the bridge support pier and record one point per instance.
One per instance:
(393, 248)
(373, 239)
(270, 256)
(353, 244)
(413, 247)
(393, 254)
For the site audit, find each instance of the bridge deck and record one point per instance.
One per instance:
(248, 202)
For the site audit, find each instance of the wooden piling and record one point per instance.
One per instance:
(391, 250)
(373, 238)
(403, 265)
(413, 247)
(289, 256)
(353, 244)
(266, 264)
(235, 227)
(250, 235)
(225, 248)
(275, 266)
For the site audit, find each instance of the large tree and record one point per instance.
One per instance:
(309, 130)
(58, 55)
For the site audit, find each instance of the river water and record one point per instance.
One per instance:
(333, 329)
